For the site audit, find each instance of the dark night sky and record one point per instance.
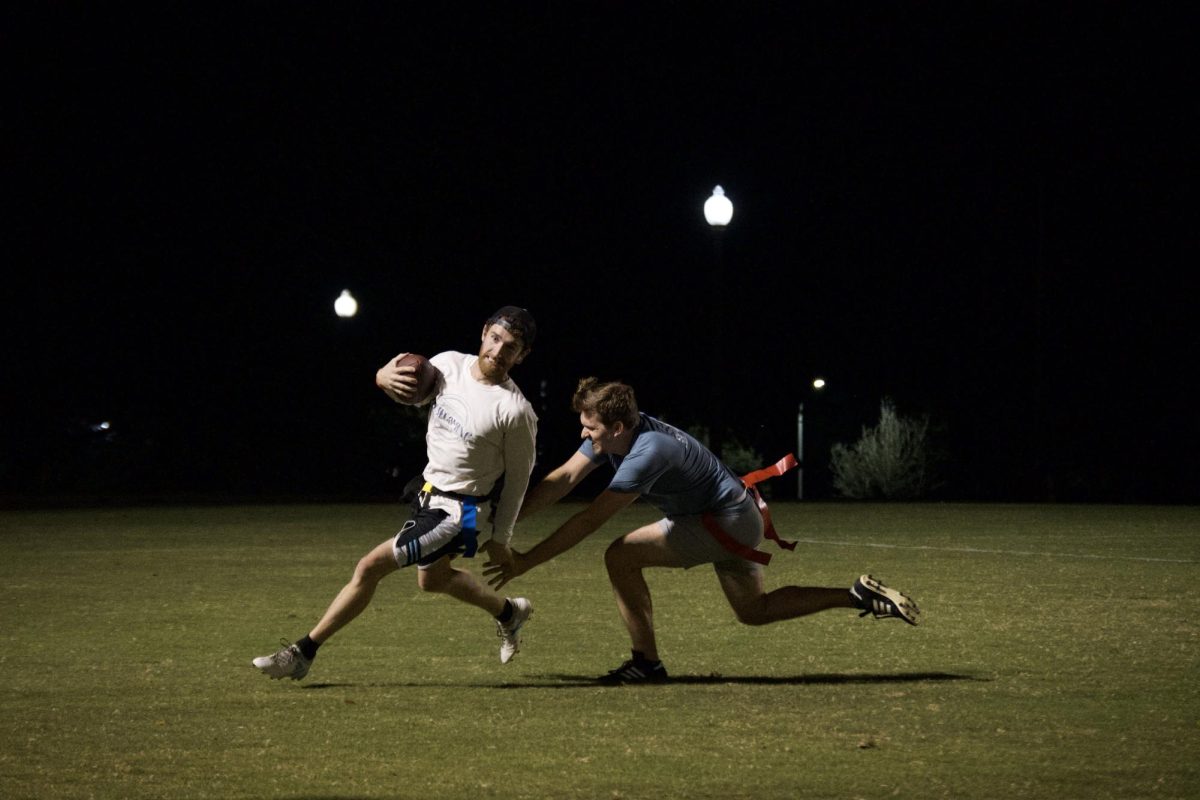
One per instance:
(977, 210)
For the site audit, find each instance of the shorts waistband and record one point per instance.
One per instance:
(430, 489)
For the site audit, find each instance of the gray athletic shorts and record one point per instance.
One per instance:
(690, 540)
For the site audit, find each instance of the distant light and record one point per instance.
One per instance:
(345, 306)
(819, 383)
(101, 426)
(718, 209)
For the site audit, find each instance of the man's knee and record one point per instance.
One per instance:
(434, 578)
(617, 555)
(641, 549)
(752, 613)
(374, 566)
(746, 597)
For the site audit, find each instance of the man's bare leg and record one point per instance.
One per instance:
(293, 660)
(443, 578)
(356, 595)
(754, 606)
(625, 560)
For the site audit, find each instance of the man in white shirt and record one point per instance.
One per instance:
(480, 445)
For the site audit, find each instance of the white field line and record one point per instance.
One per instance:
(986, 551)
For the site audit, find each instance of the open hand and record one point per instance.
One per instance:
(502, 565)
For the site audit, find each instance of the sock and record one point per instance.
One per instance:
(640, 657)
(308, 648)
(504, 616)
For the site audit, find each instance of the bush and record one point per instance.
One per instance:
(739, 457)
(892, 461)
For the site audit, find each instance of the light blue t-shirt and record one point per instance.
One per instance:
(672, 470)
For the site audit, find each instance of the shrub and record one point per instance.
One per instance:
(739, 457)
(892, 461)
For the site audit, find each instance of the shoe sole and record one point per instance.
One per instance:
(281, 677)
(618, 677)
(605, 680)
(263, 670)
(906, 608)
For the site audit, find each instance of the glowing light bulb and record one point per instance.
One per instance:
(345, 306)
(718, 209)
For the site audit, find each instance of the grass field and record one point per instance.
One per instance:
(1059, 657)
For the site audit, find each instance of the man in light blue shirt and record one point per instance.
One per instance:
(710, 518)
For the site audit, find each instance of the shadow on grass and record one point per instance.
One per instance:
(835, 678)
(782, 680)
(566, 681)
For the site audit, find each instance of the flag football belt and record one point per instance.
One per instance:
(470, 513)
(750, 481)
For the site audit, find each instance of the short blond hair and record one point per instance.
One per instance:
(610, 402)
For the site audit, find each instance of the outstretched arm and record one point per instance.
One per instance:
(557, 483)
(569, 534)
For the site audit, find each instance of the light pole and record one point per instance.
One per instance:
(718, 211)
(818, 384)
(800, 453)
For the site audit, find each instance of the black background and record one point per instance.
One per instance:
(980, 211)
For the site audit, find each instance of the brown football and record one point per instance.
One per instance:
(426, 374)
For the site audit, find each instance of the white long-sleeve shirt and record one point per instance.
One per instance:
(477, 433)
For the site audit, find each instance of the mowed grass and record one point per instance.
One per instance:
(1058, 658)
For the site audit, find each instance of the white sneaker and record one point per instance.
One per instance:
(288, 662)
(510, 634)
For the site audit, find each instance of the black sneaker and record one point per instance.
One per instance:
(635, 671)
(874, 598)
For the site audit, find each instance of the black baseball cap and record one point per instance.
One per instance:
(518, 321)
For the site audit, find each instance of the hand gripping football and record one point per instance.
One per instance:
(426, 375)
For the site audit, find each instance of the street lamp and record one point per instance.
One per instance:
(345, 306)
(818, 384)
(718, 209)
